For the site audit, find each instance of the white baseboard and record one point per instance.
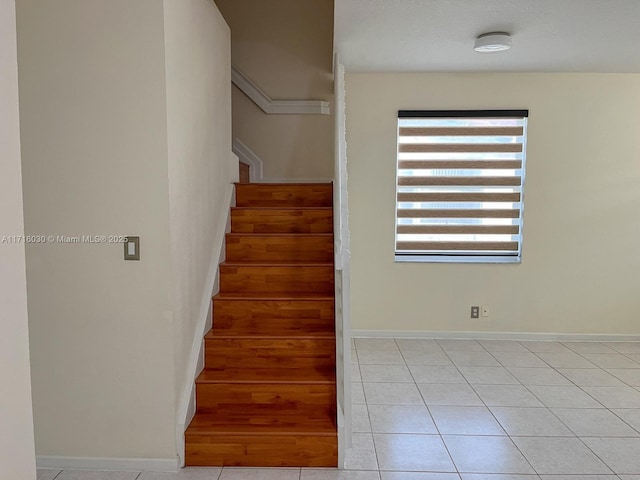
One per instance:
(526, 336)
(103, 463)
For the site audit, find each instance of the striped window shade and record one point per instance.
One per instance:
(459, 185)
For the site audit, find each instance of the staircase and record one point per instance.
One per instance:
(267, 394)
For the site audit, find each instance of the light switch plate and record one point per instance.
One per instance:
(132, 248)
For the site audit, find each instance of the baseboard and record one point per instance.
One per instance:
(187, 406)
(103, 463)
(526, 336)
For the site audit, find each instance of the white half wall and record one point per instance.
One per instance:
(17, 454)
(201, 172)
(580, 267)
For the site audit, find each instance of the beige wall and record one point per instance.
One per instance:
(201, 167)
(286, 48)
(94, 137)
(580, 266)
(17, 457)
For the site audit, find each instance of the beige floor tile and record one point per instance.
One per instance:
(419, 476)
(538, 376)
(392, 394)
(555, 456)
(414, 357)
(615, 397)
(436, 374)
(611, 360)
(401, 419)
(550, 347)
(588, 347)
(241, 473)
(473, 454)
(563, 396)
(334, 474)
(188, 473)
(630, 376)
(631, 416)
(473, 358)
(95, 475)
(385, 373)
(596, 422)
(455, 394)
(376, 344)
(465, 421)
(412, 453)
(380, 357)
(530, 422)
(622, 455)
(506, 396)
(488, 375)
(518, 359)
(450, 345)
(590, 377)
(565, 360)
(47, 473)
(360, 419)
(362, 454)
(495, 346)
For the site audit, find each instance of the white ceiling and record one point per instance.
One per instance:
(438, 35)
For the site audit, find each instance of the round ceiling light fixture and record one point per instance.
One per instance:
(493, 42)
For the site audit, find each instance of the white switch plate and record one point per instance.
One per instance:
(484, 311)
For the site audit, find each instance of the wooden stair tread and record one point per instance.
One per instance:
(276, 235)
(281, 184)
(277, 264)
(268, 375)
(212, 424)
(282, 208)
(272, 296)
(268, 334)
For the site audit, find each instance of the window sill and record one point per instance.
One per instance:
(456, 259)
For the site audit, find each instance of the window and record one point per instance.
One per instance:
(459, 185)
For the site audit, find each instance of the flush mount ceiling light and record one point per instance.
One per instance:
(493, 42)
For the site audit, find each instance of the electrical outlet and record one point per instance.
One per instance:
(484, 311)
(475, 311)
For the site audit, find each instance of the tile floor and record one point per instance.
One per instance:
(474, 410)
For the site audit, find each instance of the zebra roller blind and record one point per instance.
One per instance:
(459, 184)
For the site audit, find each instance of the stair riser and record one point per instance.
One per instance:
(227, 313)
(266, 400)
(281, 221)
(262, 450)
(301, 279)
(269, 353)
(297, 248)
(256, 195)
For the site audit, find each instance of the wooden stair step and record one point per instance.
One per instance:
(266, 401)
(299, 247)
(267, 450)
(207, 424)
(282, 220)
(281, 314)
(268, 333)
(245, 441)
(260, 353)
(288, 194)
(304, 375)
(302, 277)
(273, 296)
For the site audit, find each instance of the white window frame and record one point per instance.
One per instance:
(439, 238)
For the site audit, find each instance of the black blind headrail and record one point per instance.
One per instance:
(462, 113)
